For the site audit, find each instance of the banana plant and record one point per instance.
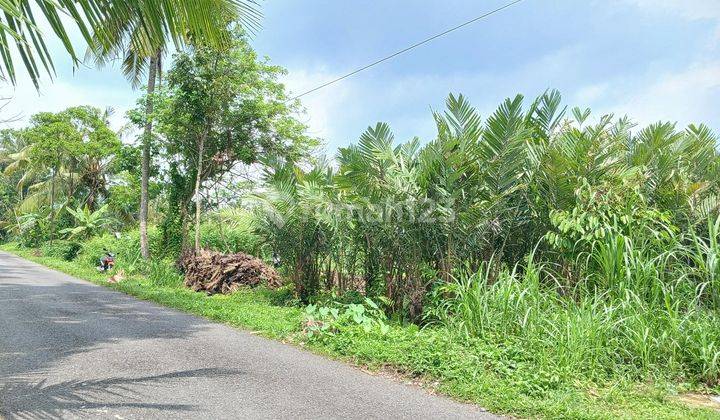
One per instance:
(88, 223)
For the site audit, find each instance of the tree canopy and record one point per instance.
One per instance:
(222, 108)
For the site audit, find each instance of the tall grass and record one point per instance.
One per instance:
(163, 273)
(704, 257)
(634, 315)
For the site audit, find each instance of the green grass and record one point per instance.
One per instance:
(491, 374)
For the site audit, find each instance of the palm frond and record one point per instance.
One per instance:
(105, 25)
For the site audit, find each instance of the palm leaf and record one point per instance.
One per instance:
(106, 24)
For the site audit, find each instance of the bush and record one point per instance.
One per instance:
(163, 273)
(230, 232)
(66, 250)
(228, 240)
(231, 237)
(126, 249)
(33, 237)
(31, 230)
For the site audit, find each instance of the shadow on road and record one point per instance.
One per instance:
(46, 318)
(22, 398)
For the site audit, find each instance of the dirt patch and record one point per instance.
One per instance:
(700, 400)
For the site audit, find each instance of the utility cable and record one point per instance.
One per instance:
(404, 50)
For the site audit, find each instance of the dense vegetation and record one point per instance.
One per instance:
(534, 261)
(587, 248)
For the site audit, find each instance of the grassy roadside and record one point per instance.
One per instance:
(484, 373)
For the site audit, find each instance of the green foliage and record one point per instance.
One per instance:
(224, 107)
(61, 249)
(595, 338)
(8, 199)
(606, 211)
(31, 229)
(561, 252)
(88, 223)
(124, 198)
(54, 140)
(174, 222)
(126, 249)
(105, 26)
(230, 232)
(324, 320)
(704, 268)
(298, 234)
(538, 250)
(62, 159)
(163, 273)
(393, 219)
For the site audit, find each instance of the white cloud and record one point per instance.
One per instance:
(340, 112)
(690, 95)
(591, 93)
(322, 106)
(687, 95)
(689, 9)
(58, 95)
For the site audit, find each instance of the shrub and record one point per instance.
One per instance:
(163, 273)
(228, 239)
(230, 231)
(327, 320)
(126, 248)
(596, 335)
(64, 249)
(30, 229)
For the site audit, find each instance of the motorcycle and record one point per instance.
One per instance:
(107, 262)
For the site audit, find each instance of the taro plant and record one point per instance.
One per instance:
(322, 320)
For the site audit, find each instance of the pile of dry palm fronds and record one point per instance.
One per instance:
(215, 272)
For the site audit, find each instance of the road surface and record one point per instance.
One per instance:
(71, 349)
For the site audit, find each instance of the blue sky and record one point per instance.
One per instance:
(650, 59)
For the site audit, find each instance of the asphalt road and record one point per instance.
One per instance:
(71, 349)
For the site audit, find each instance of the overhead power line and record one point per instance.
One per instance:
(404, 50)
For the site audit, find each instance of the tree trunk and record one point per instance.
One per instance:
(147, 135)
(198, 184)
(221, 225)
(184, 226)
(52, 206)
